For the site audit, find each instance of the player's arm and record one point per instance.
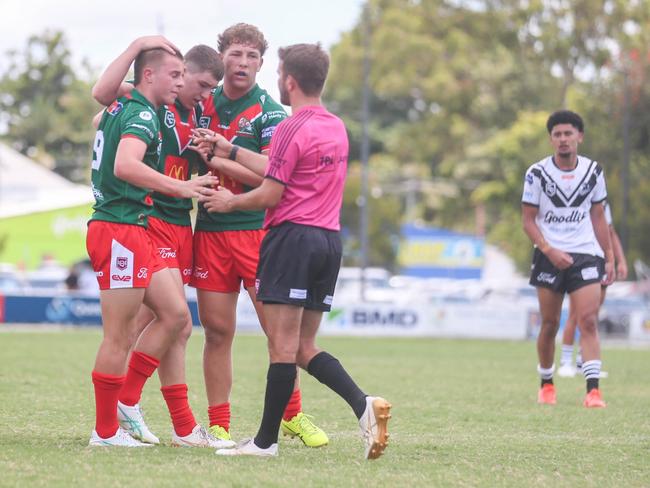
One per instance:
(97, 119)
(221, 147)
(267, 195)
(619, 255)
(235, 171)
(560, 259)
(110, 84)
(601, 229)
(129, 166)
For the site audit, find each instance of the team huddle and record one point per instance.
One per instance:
(269, 190)
(268, 219)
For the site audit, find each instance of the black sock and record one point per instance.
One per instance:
(279, 386)
(592, 383)
(328, 370)
(547, 382)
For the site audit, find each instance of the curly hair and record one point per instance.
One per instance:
(242, 34)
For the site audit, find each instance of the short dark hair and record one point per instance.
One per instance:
(565, 117)
(308, 64)
(148, 58)
(202, 58)
(242, 34)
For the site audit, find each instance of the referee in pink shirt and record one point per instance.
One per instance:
(300, 256)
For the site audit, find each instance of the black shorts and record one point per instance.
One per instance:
(299, 265)
(585, 270)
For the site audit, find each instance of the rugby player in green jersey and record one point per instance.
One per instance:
(226, 246)
(171, 232)
(129, 270)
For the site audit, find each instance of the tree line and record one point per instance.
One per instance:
(459, 91)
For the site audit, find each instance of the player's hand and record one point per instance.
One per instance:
(216, 200)
(192, 188)
(220, 145)
(146, 43)
(621, 271)
(610, 274)
(204, 149)
(560, 259)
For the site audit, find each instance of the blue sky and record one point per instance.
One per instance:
(99, 31)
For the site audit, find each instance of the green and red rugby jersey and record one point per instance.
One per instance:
(115, 199)
(248, 122)
(176, 160)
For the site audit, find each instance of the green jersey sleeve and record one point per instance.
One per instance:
(272, 114)
(141, 123)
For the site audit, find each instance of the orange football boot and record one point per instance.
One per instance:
(594, 399)
(547, 394)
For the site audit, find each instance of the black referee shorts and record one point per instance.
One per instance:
(585, 270)
(299, 265)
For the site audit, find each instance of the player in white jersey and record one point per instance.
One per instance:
(563, 216)
(568, 368)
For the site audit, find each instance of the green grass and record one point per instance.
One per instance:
(464, 414)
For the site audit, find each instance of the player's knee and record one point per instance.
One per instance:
(305, 355)
(218, 334)
(549, 329)
(281, 350)
(186, 331)
(119, 344)
(588, 324)
(176, 318)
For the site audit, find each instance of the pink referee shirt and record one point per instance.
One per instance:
(309, 156)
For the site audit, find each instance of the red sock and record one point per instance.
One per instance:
(107, 389)
(141, 367)
(220, 415)
(294, 407)
(179, 409)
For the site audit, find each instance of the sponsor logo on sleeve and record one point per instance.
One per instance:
(144, 128)
(273, 114)
(529, 178)
(268, 132)
(146, 115)
(115, 108)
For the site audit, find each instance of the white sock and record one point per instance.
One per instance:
(579, 359)
(567, 354)
(591, 369)
(546, 373)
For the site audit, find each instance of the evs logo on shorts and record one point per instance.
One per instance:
(121, 266)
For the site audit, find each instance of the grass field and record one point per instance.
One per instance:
(464, 414)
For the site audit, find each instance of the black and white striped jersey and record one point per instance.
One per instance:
(564, 199)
